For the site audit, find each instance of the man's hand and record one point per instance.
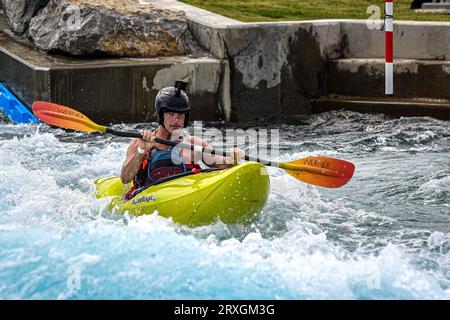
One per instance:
(147, 141)
(236, 155)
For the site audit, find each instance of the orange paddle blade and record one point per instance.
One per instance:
(65, 117)
(320, 171)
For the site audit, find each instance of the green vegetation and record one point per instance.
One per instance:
(288, 10)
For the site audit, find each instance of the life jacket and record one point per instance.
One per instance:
(160, 164)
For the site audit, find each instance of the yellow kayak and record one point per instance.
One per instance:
(234, 195)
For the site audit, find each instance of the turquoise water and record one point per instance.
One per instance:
(385, 235)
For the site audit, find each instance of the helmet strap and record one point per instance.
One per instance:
(169, 134)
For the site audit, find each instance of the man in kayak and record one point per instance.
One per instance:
(148, 161)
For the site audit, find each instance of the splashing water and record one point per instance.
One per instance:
(385, 235)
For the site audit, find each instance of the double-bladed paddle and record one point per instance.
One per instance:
(319, 171)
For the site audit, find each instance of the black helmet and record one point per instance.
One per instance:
(173, 99)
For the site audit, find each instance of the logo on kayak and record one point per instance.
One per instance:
(145, 199)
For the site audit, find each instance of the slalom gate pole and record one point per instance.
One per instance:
(389, 60)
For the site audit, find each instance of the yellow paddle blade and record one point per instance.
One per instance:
(64, 117)
(320, 171)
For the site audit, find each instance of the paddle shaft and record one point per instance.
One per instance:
(189, 146)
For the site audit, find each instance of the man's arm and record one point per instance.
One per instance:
(214, 161)
(132, 163)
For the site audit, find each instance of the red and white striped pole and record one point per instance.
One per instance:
(389, 60)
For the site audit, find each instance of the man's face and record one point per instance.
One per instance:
(173, 121)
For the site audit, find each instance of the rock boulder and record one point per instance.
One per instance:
(110, 27)
(20, 12)
(122, 28)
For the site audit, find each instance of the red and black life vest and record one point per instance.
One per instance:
(160, 164)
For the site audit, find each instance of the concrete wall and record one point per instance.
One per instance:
(412, 78)
(26, 81)
(412, 40)
(127, 93)
(276, 68)
(112, 90)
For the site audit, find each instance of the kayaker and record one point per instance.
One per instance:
(147, 161)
